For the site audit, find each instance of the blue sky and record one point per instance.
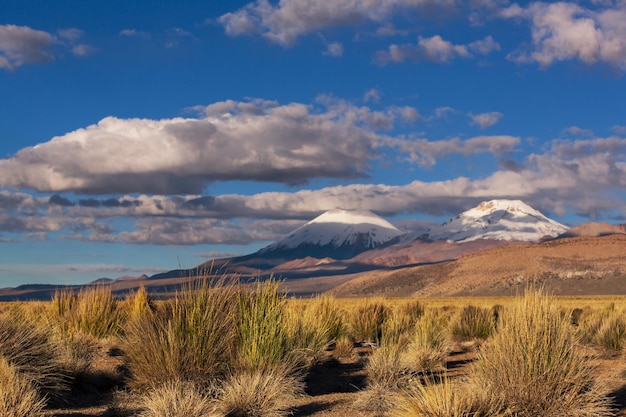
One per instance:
(137, 136)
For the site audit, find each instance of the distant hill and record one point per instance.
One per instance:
(578, 265)
(486, 249)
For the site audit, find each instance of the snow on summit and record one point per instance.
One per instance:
(342, 227)
(339, 231)
(511, 220)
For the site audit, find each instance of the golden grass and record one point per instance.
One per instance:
(18, 396)
(176, 398)
(446, 399)
(190, 337)
(259, 393)
(30, 351)
(533, 363)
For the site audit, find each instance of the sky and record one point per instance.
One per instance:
(140, 136)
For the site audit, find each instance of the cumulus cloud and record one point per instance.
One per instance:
(566, 31)
(485, 120)
(176, 231)
(289, 19)
(256, 141)
(425, 153)
(21, 45)
(576, 175)
(435, 49)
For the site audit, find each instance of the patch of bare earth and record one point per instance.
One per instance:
(571, 266)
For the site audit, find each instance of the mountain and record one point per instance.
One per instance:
(595, 229)
(337, 234)
(510, 220)
(569, 266)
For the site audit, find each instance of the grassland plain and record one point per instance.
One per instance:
(218, 349)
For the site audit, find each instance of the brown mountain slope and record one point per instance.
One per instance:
(579, 265)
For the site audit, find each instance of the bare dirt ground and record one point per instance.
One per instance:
(573, 266)
(331, 387)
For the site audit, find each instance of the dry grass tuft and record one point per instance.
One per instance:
(191, 337)
(92, 311)
(176, 399)
(446, 399)
(366, 322)
(474, 323)
(30, 351)
(533, 363)
(262, 335)
(259, 393)
(18, 396)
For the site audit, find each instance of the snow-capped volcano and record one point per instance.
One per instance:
(338, 234)
(511, 220)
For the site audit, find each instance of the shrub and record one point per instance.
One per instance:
(18, 396)
(532, 362)
(474, 323)
(259, 393)
(176, 398)
(31, 353)
(191, 337)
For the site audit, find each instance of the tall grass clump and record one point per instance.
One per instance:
(533, 365)
(446, 398)
(270, 354)
(92, 311)
(262, 337)
(366, 322)
(312, 328)
(402, 356)
(473, 323)
(430, 343)
(259, 393)
(611, 335)
(137, 304)
(605, 329)
(18, 395)
(30, 351)
(188, 338)
(176, 398)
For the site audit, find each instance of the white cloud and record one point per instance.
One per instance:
(285, 22)
(425, 153)
(485, 120)
(577, 131)
(134, 33)
(484, 46)
(435, 49)
(256, 141)
(578, 175)
(83, 50)
(22, 45)
(565, 31)
(372, 95)
(334, 49)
